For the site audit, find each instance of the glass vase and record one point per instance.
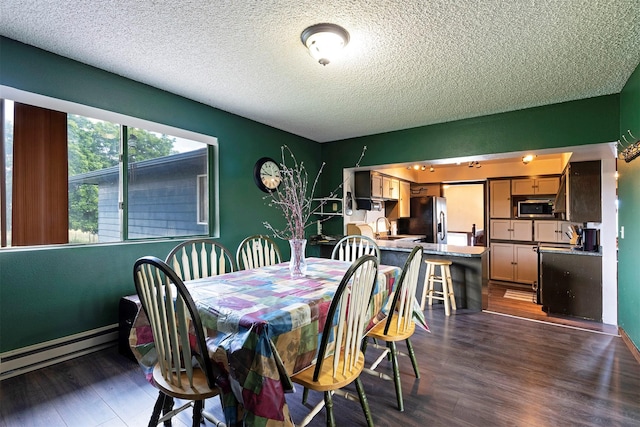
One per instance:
(298, 262)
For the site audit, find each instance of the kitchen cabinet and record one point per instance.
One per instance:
(368, 185)
(500, 199)
(551, 231)
(390, 188)
(404, 202)
(534, 186)
(511, 229)
(571, 284)
(514, 263)
(579, 197)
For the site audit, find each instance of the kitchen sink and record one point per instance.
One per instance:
(390, 238)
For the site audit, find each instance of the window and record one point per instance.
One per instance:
(164, 193)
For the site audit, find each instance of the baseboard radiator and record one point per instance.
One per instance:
(26, 359)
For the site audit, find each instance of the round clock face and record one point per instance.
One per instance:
(266, 174)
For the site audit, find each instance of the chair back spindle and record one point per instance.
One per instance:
(257, 251)
(350, 248)
(198, 258)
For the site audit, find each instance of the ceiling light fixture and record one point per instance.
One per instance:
(527, 159)
(423, 167)
(431, 169)
(324, 41)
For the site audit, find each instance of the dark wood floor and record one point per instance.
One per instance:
(478, 369)
(531, 310)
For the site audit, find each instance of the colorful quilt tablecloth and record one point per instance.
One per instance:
(263, 326)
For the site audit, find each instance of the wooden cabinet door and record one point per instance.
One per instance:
(547, 185)
(390, 188)
(404, 205)
(500, 229)
(545, 231)
(376, 185)
(501, 257)
(522, 187)
(563, 230)
(526, 264)
(500, 199)
(521, 229)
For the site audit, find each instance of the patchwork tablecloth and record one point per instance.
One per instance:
(263, 326)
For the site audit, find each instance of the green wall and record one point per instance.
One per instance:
(47, 293)
(629, 215)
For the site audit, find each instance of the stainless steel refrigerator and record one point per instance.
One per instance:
(428, 219)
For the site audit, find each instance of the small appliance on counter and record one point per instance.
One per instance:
(590, 240)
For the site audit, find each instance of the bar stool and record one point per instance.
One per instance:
(444, 278)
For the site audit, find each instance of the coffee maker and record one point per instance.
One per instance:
(590, 240)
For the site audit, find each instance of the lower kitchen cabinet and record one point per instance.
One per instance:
(514, 263)
(571, 284)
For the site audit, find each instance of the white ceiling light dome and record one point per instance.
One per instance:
(325, 41)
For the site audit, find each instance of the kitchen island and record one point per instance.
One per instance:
(469, 268)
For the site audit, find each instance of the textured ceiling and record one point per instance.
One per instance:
(408, 64)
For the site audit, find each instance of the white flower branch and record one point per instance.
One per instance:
(292, 199)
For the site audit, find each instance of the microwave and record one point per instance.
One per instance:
(537, 208)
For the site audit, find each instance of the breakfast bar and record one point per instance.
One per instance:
(469, 268)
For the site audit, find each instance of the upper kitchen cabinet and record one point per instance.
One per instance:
(390, 188)
(500, 198)
(579, 195)
(368, 185)
(533, 186)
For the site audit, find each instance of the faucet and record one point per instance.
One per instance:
(387, 223)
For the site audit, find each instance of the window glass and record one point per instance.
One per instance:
(5, 233)
(94, 153)
(163, 192)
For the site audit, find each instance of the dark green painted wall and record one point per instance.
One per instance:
(629, 215)
(49, 293)
(86, 298)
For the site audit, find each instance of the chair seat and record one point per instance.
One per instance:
(393, 334)
(199, 391)
(326, 381)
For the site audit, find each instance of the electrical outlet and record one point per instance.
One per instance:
(334, 206)
(622, 232)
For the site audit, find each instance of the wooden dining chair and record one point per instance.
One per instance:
(350, 248)
(198, 258)
(399, 324)
(257, 251)
(340, 359)
(184, 369)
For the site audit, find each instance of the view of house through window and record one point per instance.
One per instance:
(165, 193)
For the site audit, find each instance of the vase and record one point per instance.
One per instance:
(298, 262)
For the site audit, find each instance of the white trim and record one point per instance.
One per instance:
(47, 353)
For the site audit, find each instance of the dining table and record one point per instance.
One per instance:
(261, 326)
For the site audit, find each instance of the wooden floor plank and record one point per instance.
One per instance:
(476, 369)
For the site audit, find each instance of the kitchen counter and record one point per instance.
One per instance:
(469, 268)
(402, 245)
(567, 250)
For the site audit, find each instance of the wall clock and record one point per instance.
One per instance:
(266, 174)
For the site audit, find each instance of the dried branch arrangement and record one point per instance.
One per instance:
(294, 196)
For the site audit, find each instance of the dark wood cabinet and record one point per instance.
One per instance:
(571, 284)
(579, 197)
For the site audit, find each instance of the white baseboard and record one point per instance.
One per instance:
(26, 359)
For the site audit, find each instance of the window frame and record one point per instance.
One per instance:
(69, 107)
